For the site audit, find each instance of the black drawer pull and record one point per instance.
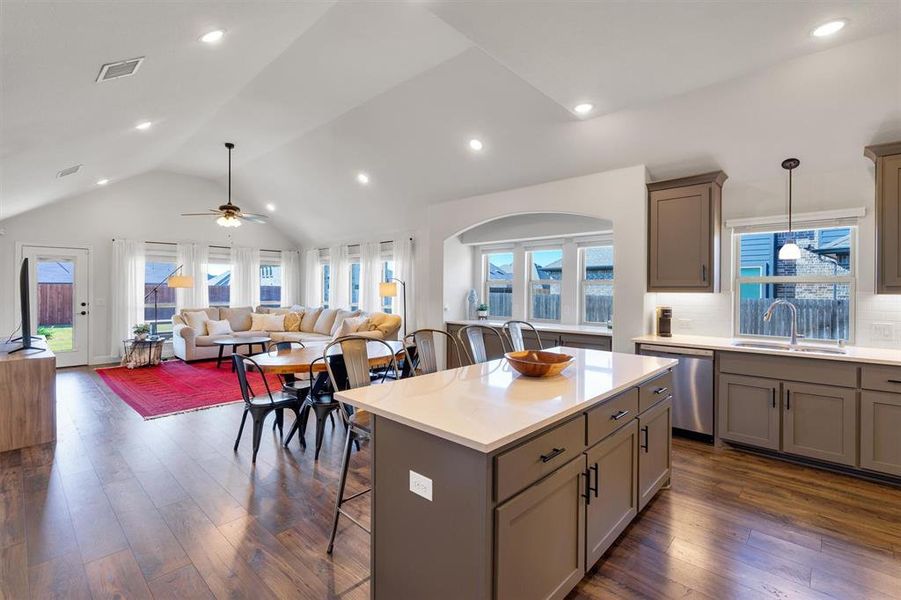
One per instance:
(597, 480)
(894, 380)
(554, 453)
(619, 415)
(774, 397)
(646, 439)
(661, 390)
(788, 399)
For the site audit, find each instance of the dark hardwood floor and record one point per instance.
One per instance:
(125, 508)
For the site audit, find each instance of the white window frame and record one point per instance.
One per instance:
(849, 280)
(585, 282)
(160, 253)
(270, 258)
(531, 282)
(488, 283)
(220, 256)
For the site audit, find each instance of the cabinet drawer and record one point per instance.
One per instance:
(881, 378)
(611, 415)
(653, 391)
(807, 370)
(527, 463)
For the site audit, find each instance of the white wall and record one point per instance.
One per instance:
(528, 227)
(146, 207)
(619, 196)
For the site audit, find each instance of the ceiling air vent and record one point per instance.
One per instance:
(69, 171)
(123, 68)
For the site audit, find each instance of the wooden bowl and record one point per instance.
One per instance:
(538, 363)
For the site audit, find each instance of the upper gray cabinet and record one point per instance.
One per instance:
(684, 223)
(888, 216)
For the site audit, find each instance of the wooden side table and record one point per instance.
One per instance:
(142, 353)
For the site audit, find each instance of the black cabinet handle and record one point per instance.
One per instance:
(554, 453)
(587, 495)
(774, 397)
(644, 446)
(894, 380)
(660, 390)
(703, 272)
(597, 479)
(619, 415)
(788, 399)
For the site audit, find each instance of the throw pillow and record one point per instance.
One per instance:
(325, 321)
(341, 315)
(257, 323)
(197, 321)
(218, 327)
(292, 321)
(310, 316)
(356, 326)
(274, 322)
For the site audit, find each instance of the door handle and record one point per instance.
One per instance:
(774, 397)
(644, 446)
(597, 480)
(84, 312)
(554, 453)
(703, 272)
(619, 415)
(587, 495)
(84, 303)
(788, 399)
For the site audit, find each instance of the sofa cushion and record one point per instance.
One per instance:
(207, 340)
(340, 316)
(310, 316)
(222, 327)
(352, 325)
(385, 323)
(292, 321)
(196, 321)
(238, 317)
(325, 321)
(267, 322)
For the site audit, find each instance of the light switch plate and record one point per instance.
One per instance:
(685, 324)
(421, 485)
(883, 331)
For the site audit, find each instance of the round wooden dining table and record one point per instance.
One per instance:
(298, 360)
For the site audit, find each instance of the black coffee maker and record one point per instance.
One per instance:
(665, 321)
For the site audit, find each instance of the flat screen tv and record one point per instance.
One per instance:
(25, 305)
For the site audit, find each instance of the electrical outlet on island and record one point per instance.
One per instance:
(421, 485)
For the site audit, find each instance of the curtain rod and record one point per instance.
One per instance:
(358, 243)
(209, 245)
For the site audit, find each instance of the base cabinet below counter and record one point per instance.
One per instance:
(655, 435)
(749, 410)
(820, 421)
(880, 432)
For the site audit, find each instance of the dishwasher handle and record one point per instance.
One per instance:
(675, 351)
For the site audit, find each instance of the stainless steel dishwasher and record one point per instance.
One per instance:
(693, 387)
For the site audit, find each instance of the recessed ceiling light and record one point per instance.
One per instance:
(475, 144)
(270, 207)
(212, 37)
(363, 178)
(583, 109)
(102, 181)
(143, 125)
(827, 29)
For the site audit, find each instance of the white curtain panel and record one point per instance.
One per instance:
(370, 276)
(290, 277)
(403, 270)
(194, 259)
(312, 286)
(339, 278)
(126, 291)
(245, 277)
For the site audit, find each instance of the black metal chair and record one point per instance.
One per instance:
(472, 338)
(320, 401)
(513, 331)
(426, 360)
(356, 374)
(262, 405)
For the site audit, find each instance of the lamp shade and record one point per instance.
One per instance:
(180, 281)
(790, 251)
(388, 289)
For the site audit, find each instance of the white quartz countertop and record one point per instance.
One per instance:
(551, 327)
(883, 356)
(487, 406)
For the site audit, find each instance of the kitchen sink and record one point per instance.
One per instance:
(787, 348)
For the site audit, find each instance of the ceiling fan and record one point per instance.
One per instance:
(230, 215)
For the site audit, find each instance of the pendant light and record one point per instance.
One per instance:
(790, 250)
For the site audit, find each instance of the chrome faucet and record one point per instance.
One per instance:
(794, 327)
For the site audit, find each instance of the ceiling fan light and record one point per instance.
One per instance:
(228, 221)
(790, 251)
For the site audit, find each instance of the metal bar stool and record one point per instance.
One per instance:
(513, 331)
(472, 338)
(424, 341)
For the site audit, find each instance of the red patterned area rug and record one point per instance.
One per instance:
(174, 386)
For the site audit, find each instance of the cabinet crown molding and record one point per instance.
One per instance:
(876, 150)
(717, 177)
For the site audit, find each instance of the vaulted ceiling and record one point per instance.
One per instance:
(313, 93)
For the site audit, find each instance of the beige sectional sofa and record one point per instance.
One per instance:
(308, 325)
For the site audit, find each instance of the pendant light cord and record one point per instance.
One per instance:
(789, 192)
(230, 185)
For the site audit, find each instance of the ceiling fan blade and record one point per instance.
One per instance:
(252, 218)
(199, 214)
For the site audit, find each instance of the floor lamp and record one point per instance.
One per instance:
(172, 281)
(388, 289)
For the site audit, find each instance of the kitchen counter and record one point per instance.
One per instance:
(550, 327)
(860, 354)
(460, 457)
(489, 405)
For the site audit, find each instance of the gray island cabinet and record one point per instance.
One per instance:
(487, 484)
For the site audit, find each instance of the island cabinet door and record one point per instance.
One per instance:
(655, 436)
(748, 410)
(613, 467)
(820, 421)
(540, 537)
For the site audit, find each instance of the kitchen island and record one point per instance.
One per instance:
(487, 484)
